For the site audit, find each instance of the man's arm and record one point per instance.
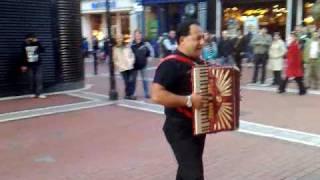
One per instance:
(161, 96)
(168, 45)
(151, 50)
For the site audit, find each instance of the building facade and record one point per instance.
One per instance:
(276, 15)
(94, 21)
(58, 27)
(161, 16)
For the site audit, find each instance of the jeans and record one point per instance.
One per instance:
(260, 59)
(144, 82)
(35, 79)
(129, 78)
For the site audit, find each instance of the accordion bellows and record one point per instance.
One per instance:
(222, 111)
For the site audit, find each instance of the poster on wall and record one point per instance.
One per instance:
(251, 23)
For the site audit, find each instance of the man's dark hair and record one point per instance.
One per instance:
(184, 28)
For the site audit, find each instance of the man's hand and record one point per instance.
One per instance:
(199, 101)
(24, 68)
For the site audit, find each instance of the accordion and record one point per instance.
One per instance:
(222, 111)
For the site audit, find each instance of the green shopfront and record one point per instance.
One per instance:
(161, 16)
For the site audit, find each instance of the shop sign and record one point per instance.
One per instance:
(102, 5)
(87, 6)
(137, 7)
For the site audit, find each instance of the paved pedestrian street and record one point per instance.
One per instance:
(81, 135)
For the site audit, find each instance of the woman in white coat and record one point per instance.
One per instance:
(276, 53)
(123, 58)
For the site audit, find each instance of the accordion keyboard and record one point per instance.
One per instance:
(201, 86)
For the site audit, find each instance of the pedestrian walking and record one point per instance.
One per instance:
(172, 89)
(143, 51)
(123, 59)
(294, 69)
(276, 53)
(32, 63)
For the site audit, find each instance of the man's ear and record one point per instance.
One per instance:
(181, 39)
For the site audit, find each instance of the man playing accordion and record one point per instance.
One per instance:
(172, 88)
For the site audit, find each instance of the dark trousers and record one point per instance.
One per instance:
(95, 62)
(188, 149)
(238, 61)
(276, 78)
(35, 79)
(299, 80)
(260, 60)
(129, 78)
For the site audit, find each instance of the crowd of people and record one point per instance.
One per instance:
(297, 58)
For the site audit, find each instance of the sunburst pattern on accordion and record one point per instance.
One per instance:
(220, 113)
(224, 88)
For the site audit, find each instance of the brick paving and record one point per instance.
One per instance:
(28, 103)
(96, 144)
(117, 143)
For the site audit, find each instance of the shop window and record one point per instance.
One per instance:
(272, 16)
(307, 13)
(125, 24)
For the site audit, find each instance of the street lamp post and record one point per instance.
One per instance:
(113, 94)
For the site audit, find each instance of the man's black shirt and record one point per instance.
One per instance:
(175, 77)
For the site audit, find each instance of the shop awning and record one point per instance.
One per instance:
(149, 2)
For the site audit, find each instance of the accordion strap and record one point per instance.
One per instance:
(184, 110)
(178, 58)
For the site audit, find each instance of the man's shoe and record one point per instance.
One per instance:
(130, 97)
(301, 93)
(147, 96)
(281, 91)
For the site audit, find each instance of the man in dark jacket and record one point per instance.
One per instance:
(226, 49)
(31, 63)
(169, 45)
(142, 51)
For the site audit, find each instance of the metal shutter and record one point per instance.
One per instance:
(57, 25)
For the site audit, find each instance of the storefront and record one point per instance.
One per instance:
(94, 18)
(250, 16)
(275, 15)
(306, 9)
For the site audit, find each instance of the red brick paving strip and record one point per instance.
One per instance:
(114, 143)
(32, 103)
(287, 111)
